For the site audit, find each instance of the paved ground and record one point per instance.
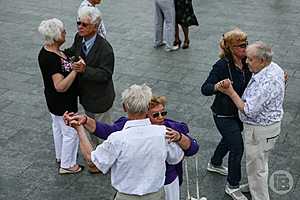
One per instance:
(27, 164)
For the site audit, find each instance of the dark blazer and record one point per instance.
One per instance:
(96, 88)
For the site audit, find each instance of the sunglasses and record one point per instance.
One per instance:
(82, 24)
(244, 45)
(157, 114)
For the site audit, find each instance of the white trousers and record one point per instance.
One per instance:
(258, 141)
(101, 117)
(164, 14)
(65, 141)
(172, 190)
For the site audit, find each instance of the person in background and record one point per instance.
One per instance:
(164, 15)
(231, 65)
(60, 89)
(93, 3)
(261, 111)
(176, 132)
(137, 152)
(96, 88)
(185, 17)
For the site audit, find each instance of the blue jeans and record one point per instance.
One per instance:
(232, 141)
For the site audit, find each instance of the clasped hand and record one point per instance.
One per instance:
(79, 66)
(172, 135)
(224, 86)
(73, 119)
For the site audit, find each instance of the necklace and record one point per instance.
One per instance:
(55, 50)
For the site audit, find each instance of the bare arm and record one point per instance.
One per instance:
(61, 83)
(85, 145)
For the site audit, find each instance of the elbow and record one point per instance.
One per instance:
(193, 149)
(60, 89)
(206, 91)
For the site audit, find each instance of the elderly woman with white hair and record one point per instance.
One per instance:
(60, 89)
(136, 153)
(261, 111)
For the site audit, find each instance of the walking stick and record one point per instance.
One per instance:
(197, 181)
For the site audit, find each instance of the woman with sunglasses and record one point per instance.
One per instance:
(231, 65)
(177, 132)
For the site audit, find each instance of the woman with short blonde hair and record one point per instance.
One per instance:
(231, 65)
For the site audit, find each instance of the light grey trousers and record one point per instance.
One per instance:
(259, 141)
(101, 117)
(160, 195)
(164, 21)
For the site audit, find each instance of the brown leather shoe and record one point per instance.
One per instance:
(92, 168)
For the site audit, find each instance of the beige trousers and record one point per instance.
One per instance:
(258, 141)
(160, 195)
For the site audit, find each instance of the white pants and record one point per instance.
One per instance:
(164, 13)
(101, 117)
(65, 141)
(172, 190)
(258, 141)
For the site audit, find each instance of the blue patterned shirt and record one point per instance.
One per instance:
(264, 96)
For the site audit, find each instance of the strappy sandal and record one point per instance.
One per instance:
(63, 171)
(186, 44)
(177, 42)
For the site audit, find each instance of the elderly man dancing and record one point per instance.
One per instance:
(137, 154)
(261, 111)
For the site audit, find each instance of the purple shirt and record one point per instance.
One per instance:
(172, 171)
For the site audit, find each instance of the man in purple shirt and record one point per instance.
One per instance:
(176, 132)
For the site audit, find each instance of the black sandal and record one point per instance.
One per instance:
(186, 44)
(177, 42)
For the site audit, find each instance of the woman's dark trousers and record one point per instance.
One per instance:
(230, 128)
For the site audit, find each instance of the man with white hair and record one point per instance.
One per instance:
(137, 154)
(261, 111)
(93, 3)
(96, 88)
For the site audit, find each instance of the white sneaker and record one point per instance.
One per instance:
(218, 169)
(235, 194)
(244, 188)
(172, 48)
(202, 198)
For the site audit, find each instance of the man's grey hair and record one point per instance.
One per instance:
(92, 12)
(51, 30)
(136, 98)
(262, 51)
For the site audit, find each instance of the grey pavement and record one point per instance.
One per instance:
(28, 170)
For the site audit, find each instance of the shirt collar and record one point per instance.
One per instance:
(261, 73)
(90, 41)
(138, 122)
